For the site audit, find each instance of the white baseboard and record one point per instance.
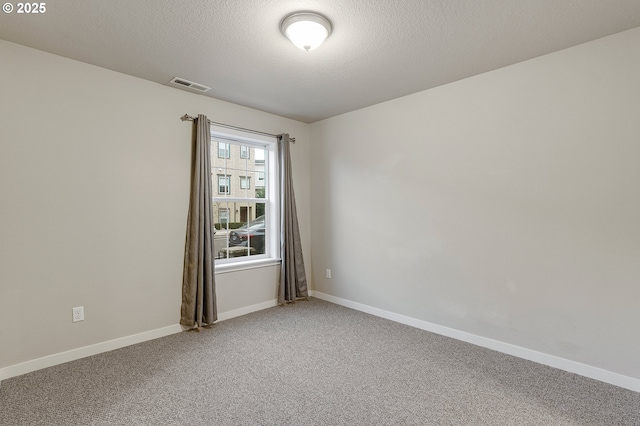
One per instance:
(518, 351)
(74, 354)
(85, 351)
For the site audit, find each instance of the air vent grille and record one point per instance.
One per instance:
(199, 87)
(190, 84)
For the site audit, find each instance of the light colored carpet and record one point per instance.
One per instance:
(312, 363)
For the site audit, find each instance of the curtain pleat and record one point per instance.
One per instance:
(293, 279)
(198, 281)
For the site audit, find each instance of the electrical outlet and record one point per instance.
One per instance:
(328, 273)
(78, 314)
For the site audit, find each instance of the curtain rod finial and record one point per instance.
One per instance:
(185, 117)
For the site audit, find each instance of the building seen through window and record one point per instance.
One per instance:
(241, 215)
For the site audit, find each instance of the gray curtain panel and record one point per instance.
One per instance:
(293, 279)
(198, 281)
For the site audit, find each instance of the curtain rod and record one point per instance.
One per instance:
(187, 117)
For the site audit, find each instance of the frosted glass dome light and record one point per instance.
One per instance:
(307, 30)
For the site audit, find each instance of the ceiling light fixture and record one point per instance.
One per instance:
(307, 30)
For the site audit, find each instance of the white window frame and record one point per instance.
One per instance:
(271, 200)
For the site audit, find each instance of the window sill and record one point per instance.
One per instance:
(242, 266)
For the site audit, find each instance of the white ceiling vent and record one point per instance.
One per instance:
(190, 84)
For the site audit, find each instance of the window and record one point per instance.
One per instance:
(224, 186)
(245, 215)
(245, 182)
(224, 215)
(224, 150)
(245, 151)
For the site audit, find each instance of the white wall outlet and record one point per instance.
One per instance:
(78, 314)
(328, 273)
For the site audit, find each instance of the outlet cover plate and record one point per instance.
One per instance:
(78, 314)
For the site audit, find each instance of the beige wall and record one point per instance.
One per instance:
(520, 195)
(94, 181)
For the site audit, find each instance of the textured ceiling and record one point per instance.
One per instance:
(379, 50)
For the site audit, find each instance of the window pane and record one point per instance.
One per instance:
(224, 184)
(245, 152)
(221, 219)
(247, 238)
(240, 173)
(260, 211)
(245, 182)
(259, 153)
(259, 174)
(258, 185)
(224, 150)
(224, 216)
